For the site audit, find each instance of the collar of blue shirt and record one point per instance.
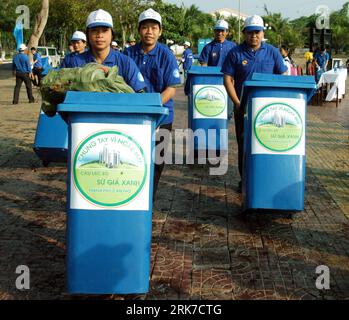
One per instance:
(249, 49)
(108, 60)
(153, 52)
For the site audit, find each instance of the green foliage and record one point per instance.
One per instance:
(172, 21)
(339, 22)
(234, 29)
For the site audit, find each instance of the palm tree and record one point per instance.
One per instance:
(197, 24)
(340, 28)
(234, 27)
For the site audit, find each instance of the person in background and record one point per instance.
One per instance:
(71, 48)
(329, 53)
(321, 61)
(99, 32)
(22, 70)
(187, 58)
(308, 63)
(215, 52)
(114, 45)
(78, 41)
(285, 52)
(253, 55)
(159, 69)
(131, 41)
(37, 67)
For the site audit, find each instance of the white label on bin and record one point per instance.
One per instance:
(278, 126)
(110, 166)
(210, 102)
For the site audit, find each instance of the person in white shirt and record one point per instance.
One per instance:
(287, 59)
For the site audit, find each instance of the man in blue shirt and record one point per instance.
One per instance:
(321, 59)
(187, 58)
(99, 36)
(37, 66)
(253, 55)
(158, 66)
(22, 70)
(214, 53)
(78, 43)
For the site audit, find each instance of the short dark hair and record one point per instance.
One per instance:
(285, 47)
(33, 48)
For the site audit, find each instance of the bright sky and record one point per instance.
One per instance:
(289, 9)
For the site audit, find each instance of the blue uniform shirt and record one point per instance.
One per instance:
(214, 53)
(187, 59)
(160, 70)
(38, 63)
(68, 61)
(127, 68)
(21, 63)
(321, 59)
(242, 62)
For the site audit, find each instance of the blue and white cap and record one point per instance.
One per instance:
(253, 23)
(78, 35)
(150, 14)
(22, 47)
(221, 25)
(99, 18)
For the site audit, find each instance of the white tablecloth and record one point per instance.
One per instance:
(338, 79)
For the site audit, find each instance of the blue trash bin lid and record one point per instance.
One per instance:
(279, 81)
(201, 71)
(107, 102)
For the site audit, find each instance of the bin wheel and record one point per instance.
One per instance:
(45, 163)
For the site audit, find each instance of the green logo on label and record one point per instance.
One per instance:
(109, 168)
(210, 101)
(278, 127)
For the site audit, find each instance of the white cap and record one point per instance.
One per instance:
(114, 43)
(78, 35)
(187, 43)
(99, 18)
(150, 14)
(221, 25)
(253, 23)
(22, 47)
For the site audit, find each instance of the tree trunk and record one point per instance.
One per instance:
(40, 23)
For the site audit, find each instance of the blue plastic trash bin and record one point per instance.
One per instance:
(51, 139)
(46, 67)
(110, 188)
(274, 141)
(208, 108)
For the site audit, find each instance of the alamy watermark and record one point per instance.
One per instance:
(189, 147)
(323, 280)
(323, 20)
(23, 280)
(24, 17)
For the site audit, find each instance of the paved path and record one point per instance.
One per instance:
(203, 246)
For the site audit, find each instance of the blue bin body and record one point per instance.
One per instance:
(45, 66)
(274, 160)
(108, 248)
(208, 79)
(51, 138)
